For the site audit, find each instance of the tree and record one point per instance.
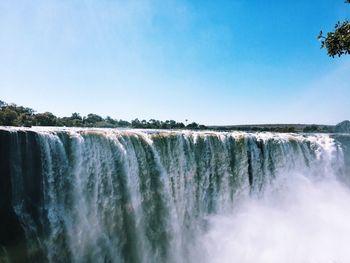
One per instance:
(110, 121)
(122, 123)
(2, 104)
(8, 117)
(76, 116)
(24, 120)
(45, 119)
(193, 125)
(311, 128)
(337, 43)
(92, 119)
(155, 124)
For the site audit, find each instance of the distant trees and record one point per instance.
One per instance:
(319, 128)
(156, 124)
(92, 119)
(8, 117)
(337, 43)
(195, 126)
(311, 128)
(45, 119)
(75, 120)
(13, 115)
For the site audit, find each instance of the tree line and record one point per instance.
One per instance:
(14, 115)
(287, 128)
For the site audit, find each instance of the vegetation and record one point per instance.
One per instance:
(295, 128)
(337, 43)
(257, 128)
(13, 115)
(318, 128)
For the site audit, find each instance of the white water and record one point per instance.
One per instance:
(182, 196)
(305, 221)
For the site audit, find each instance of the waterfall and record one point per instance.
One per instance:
(109, 195)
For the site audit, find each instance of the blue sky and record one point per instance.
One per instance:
(214, 62)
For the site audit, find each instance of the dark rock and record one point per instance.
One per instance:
(343, 127)
(11, 232)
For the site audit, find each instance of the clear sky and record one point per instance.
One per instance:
(214, 62)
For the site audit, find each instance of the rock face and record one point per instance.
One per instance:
(343, 127)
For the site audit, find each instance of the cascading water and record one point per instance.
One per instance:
(103, 195)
